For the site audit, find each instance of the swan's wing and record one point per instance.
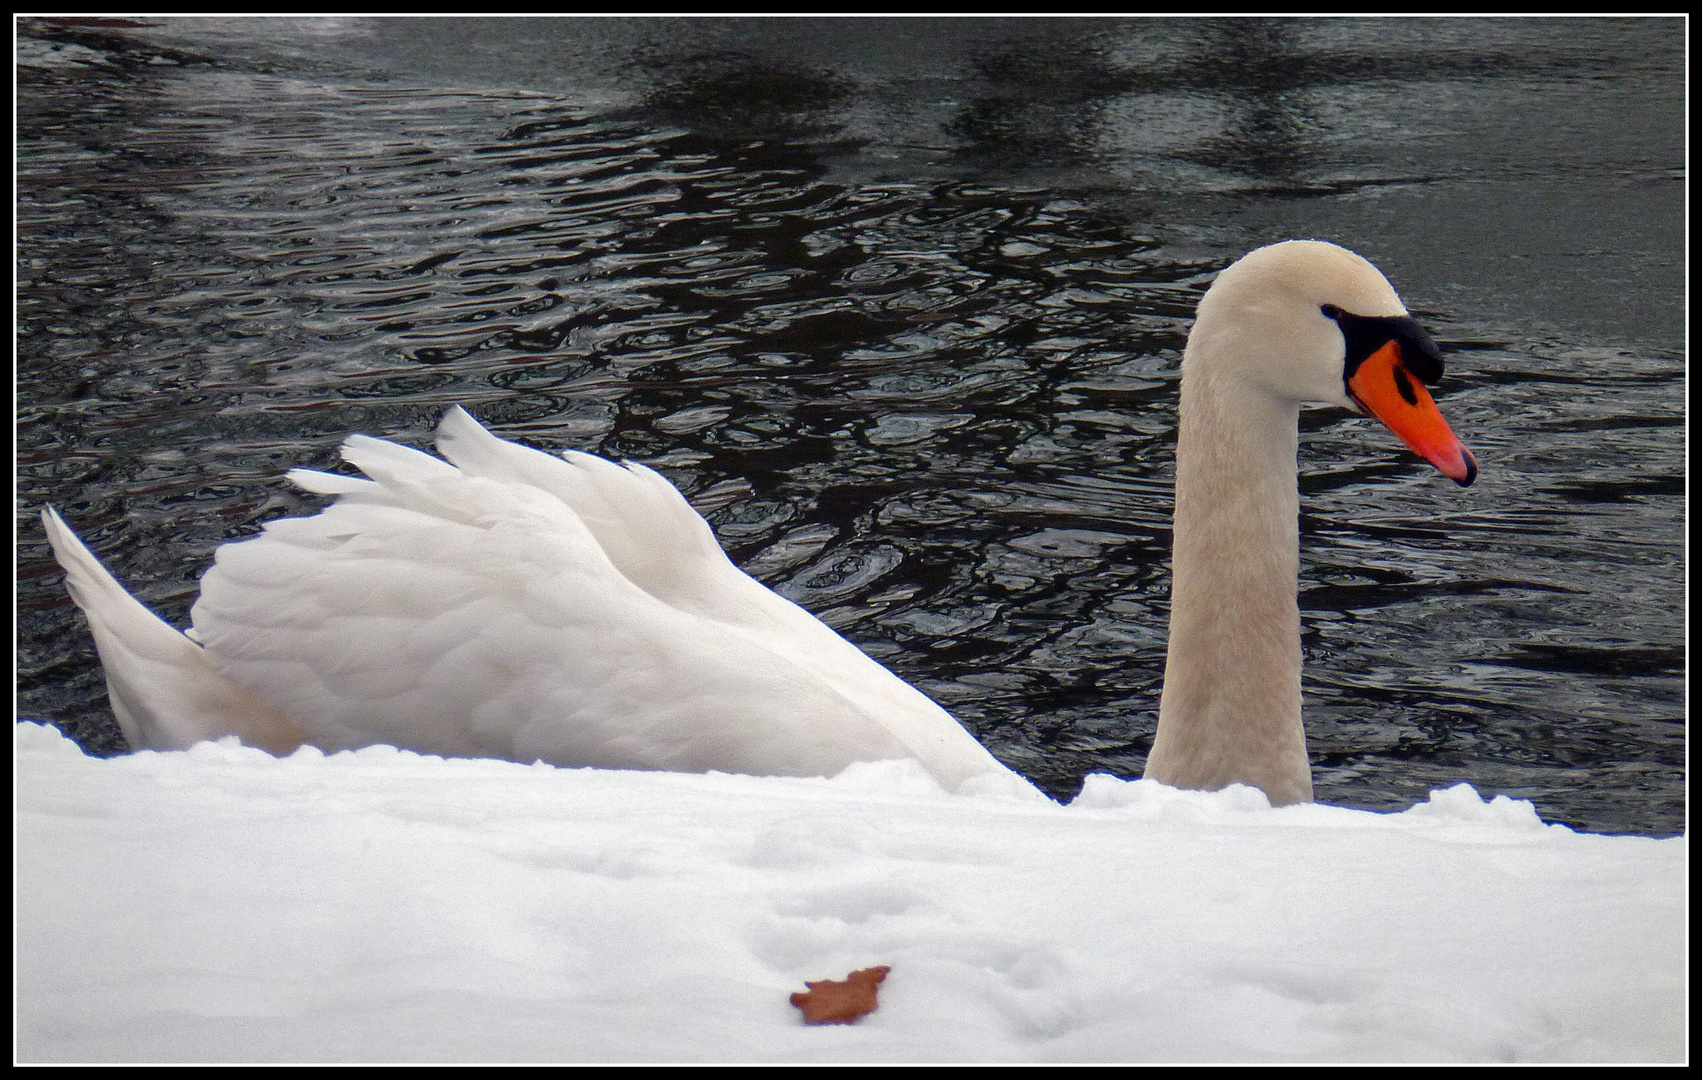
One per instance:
(652, 536)
(469, 614)
(643, 524)
(163, 691)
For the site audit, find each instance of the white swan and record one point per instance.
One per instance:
(518, 605)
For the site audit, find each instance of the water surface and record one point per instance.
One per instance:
(899, 305)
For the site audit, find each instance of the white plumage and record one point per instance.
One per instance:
(512, 604)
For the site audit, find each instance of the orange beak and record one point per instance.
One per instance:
(1384, 388)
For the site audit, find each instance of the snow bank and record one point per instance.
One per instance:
(220, 904)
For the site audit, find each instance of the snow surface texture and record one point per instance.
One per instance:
(219, 904)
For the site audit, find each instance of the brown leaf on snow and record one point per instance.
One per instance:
(830, 1002)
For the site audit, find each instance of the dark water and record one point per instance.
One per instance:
(899, 304)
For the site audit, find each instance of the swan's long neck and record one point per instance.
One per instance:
(1230, 711)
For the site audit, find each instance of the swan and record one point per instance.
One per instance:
(504, 602)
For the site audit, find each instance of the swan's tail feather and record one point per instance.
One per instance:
(164, 693)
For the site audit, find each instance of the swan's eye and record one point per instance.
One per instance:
(1331, 311)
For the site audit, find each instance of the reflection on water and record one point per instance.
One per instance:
(915, 387)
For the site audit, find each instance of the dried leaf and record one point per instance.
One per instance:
(830, 1002)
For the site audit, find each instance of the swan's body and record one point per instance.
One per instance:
(509, 604)
(518, 605)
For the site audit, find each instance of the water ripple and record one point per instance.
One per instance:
(939, 415)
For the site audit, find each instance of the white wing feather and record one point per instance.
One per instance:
(513, 604)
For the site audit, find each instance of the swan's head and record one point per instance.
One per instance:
(1306, 320)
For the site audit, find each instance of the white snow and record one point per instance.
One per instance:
(219, 904)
